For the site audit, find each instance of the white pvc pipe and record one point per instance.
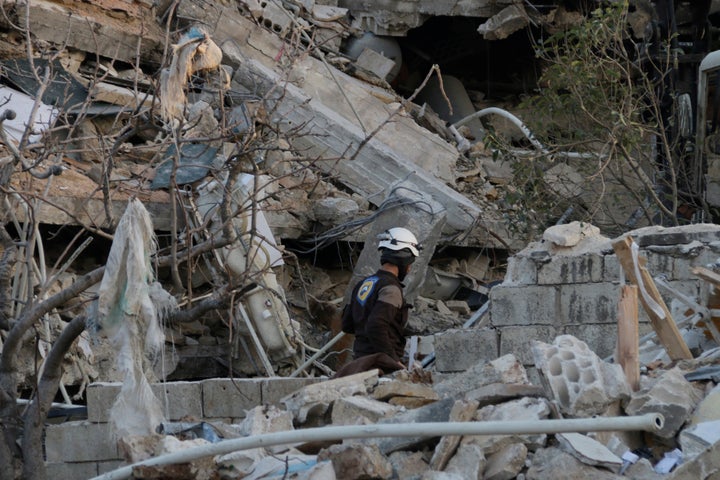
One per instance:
(504, 113)
(651, 422)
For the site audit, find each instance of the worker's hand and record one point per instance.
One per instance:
(401, 365)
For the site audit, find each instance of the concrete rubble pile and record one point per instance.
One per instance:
(577, 384)
(562, 377)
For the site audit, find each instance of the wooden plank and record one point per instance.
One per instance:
(664, 325)
(707, 275)
(629, 336)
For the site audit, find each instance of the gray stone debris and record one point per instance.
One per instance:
(524, 409)
(672, 396)
(468, 462)
(357, 461)
(576, 378)
(506, 463)
(554, 463)
(589, 451)
(315, 400)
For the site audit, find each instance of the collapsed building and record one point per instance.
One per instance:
(290, 122)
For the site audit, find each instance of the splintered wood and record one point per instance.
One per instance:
(661, 321)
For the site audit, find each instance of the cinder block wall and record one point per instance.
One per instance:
(553, 291)
(84, 449)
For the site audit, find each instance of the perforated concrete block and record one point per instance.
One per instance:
(230, 397)
(580, 382)
(458, 350)
(571, 269)
(80, 442)
(589, 303)
(524, 305)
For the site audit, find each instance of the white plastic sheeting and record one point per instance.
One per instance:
(131, 306)
(22, 105)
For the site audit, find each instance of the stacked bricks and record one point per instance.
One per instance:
(550, 291)
(84, 449)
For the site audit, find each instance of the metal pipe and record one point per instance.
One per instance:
(317, 354)
(650, 422)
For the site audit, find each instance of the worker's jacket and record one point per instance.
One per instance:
(377, 315)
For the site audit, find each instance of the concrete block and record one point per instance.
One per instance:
(705, 233)
(659, 263)
(589, 303)
(178, 399)
(526, 305)
(458, 350)
(517, 340)
(521, 270)
(611, 268)
(274, 389)
(81, 441)
(71, 471)
(230, 397)
(571, 269)
(600, 338)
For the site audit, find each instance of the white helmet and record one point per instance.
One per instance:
(399, 238)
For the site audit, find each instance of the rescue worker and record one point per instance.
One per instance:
(377, 312)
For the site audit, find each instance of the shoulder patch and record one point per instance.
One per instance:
(366, 289)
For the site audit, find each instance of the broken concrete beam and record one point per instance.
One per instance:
(392, 18)
(76, 199)
(338, 113)
(357, 461)
(672, 396)
(92, 28)
(314, 400)
(579, 381)
(504, 23)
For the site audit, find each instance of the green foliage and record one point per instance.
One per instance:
(597, 96)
